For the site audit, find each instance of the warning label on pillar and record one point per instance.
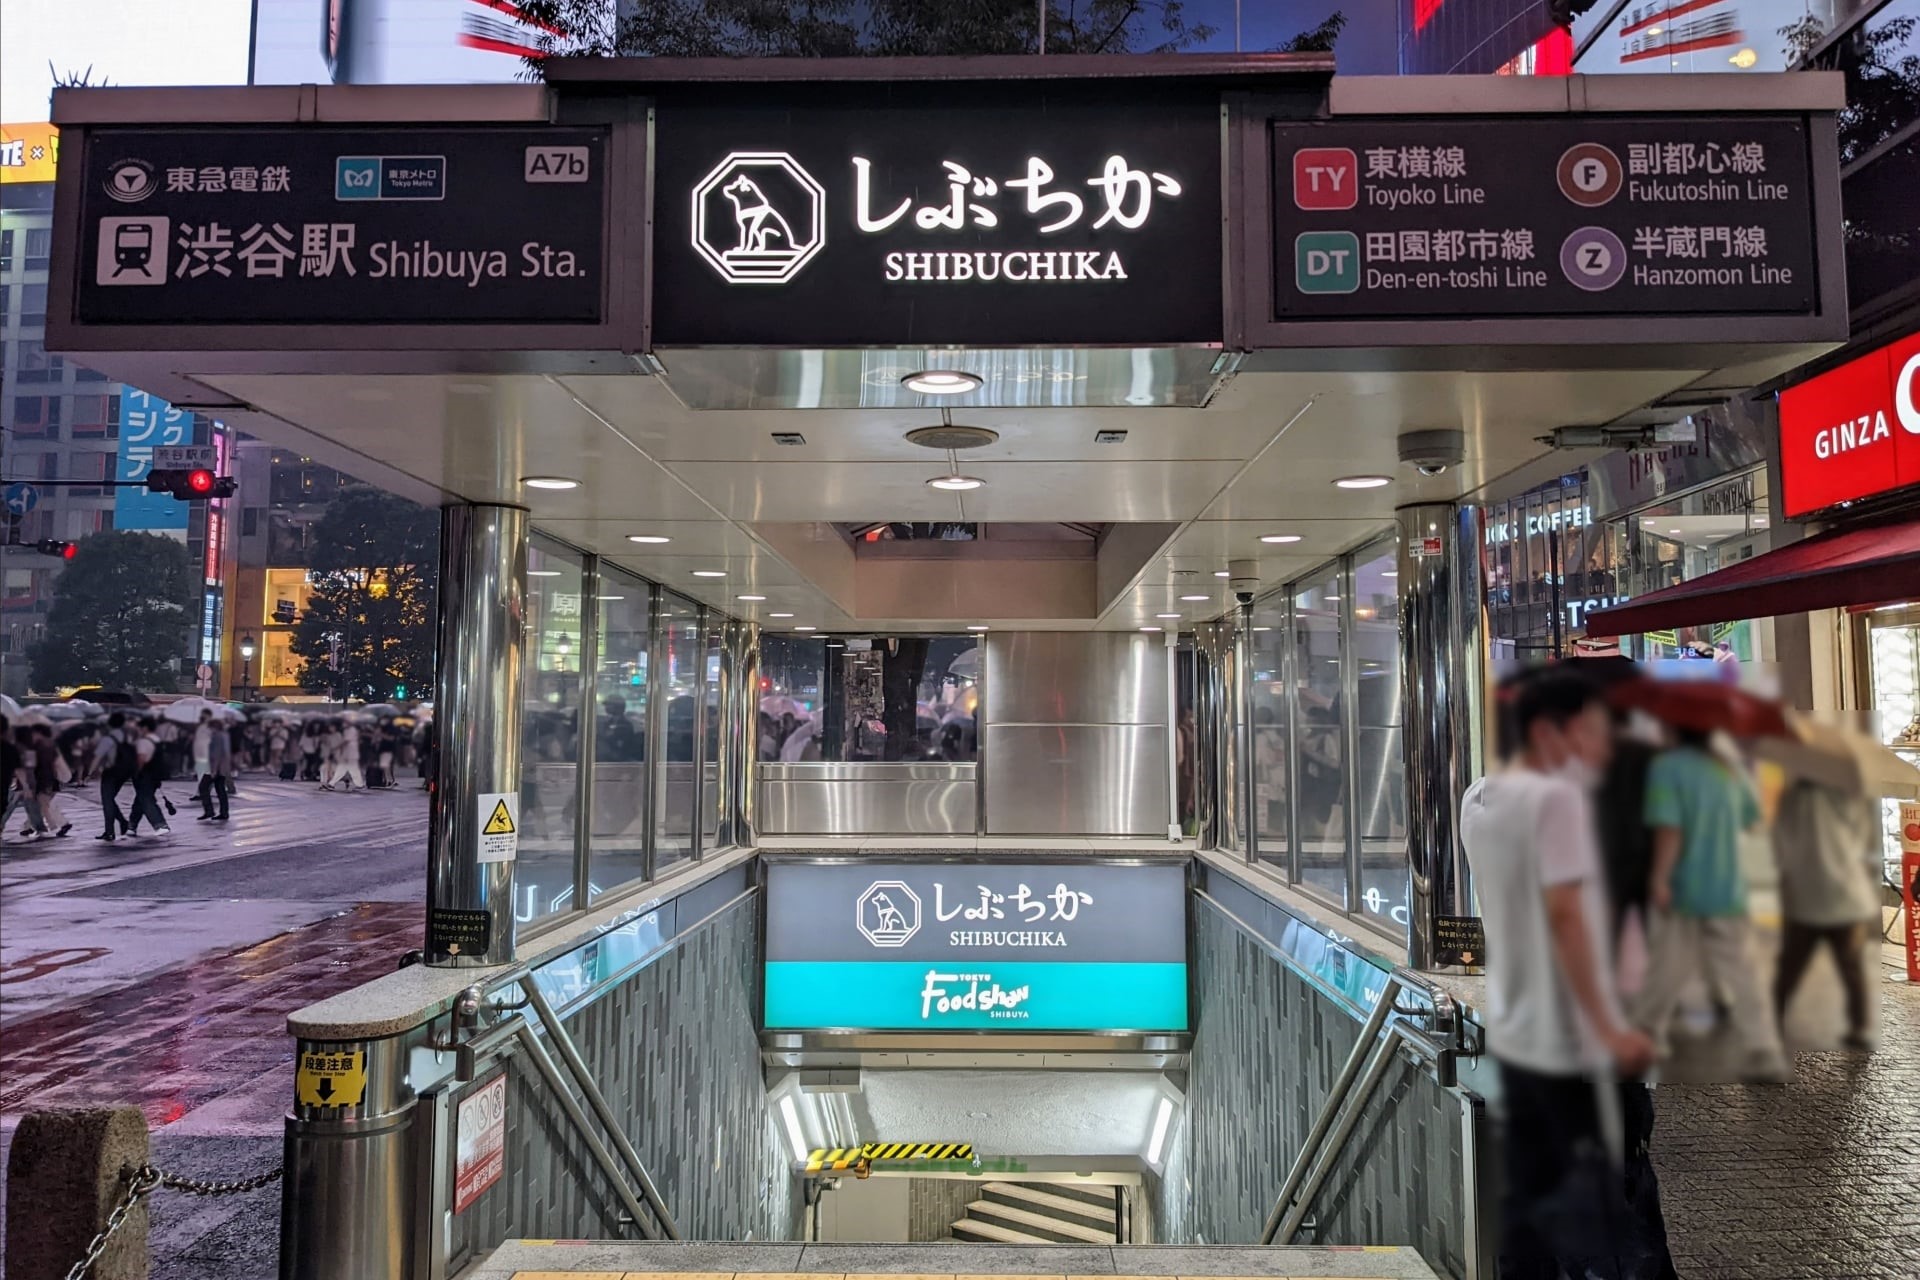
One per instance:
(331, 1079)
(481, 1145)
(499, 818)
(1459, 940)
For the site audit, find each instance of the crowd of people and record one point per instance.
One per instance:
(132, 755)
(1606, 854)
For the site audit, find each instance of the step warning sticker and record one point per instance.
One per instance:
(331, 1079)
(499, 818)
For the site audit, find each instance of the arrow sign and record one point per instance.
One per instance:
(330, 1079)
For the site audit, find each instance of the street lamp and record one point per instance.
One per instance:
(246, 663)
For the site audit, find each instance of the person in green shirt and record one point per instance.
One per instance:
(1697, 806)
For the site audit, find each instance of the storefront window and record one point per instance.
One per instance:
(279, 666)
(285, 596)
(1272, 768)
(682, 658)
(1697, 533)
(1893, 650)
(793, 674)
(1378, 752)
(1320, 737)
(1545, 559)
(619, 834)
(550, 737)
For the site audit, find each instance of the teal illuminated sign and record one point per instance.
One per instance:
(1017, 996)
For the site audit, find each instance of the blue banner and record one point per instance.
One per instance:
(147, 421)
(894, 995)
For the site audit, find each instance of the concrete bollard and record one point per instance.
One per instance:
(63, 1179)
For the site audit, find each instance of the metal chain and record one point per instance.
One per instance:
(143, 1182)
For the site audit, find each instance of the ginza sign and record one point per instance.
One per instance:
(760, 217)
(1854, 431)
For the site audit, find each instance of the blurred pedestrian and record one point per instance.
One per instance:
(1555, 1021)
(1697, 805)
(202, 749)
(50, 770)
(1828, 846)
(216, 781)
(277, 739)
(115, 763)
(149, 773)
(311, 744)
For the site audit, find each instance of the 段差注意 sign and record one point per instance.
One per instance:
(1852, 432)
(972, 222)
(936, 947)
(1477, 218)
(339, 226)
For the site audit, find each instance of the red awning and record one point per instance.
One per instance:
(1879, 565)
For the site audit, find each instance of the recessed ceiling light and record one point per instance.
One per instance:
(806, 628)
(977, 626)
(955, 482)
(1274, 539)
(1166, 615)
(648, 539)
(779, 615)
(749, 597)
(1363, 482)
(709, 573)
(1196, 597)
(1152, 628)
(940, 382)
(549, 482)
(1673, 531)
(543, 573)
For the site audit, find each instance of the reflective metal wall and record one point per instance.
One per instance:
(935, 798)
(1075, 734)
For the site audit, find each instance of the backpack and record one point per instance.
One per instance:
(126, 758)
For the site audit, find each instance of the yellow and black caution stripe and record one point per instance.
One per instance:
(831, 1159)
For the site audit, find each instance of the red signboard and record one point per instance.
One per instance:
(1852, 432)
(481, 1141)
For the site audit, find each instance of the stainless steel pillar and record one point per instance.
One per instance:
(1444, 661)
(1243, 774)
(743, 743)
(483, 575)
(349, 1197)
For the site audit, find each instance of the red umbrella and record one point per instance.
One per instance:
(1704, 706)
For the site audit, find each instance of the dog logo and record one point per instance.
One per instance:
(888, 913)
(759, 217)
(130, 181)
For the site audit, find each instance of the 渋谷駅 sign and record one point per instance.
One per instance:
(966, 947)
(336, 226)
(916, 223)
(1474, 218)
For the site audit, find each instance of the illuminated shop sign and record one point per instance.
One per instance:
(1852, 432)
(1548, 521)
(938, 223)
(1487, 218)
(324, 226)
(932, 947)
(28, 152)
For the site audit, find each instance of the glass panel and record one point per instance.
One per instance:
(1271, 789)
(792, 688)
(679, 684)
(1377, 711)
(712, 803)
(618, 844)
(1319, 745)
(550, 738)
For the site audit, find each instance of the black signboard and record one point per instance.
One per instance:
(325, 226)
(1474, 218)
(921, 222)
(1459, 940)
(454, 932)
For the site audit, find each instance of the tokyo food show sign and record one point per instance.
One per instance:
(1477, 219)
(972, 947)
(968, 224)
(331, 226)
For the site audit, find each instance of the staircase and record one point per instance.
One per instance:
(1039, 1213)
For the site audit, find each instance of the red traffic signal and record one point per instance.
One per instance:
(191, 485)
(56, 547)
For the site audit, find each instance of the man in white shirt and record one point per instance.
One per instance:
(1554, 1017)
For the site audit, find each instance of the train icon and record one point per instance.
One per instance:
(132, 251)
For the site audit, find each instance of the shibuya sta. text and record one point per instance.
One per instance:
(422, 261)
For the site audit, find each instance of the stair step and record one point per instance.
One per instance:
(1047, 1226)
(1098, 1195)
(973, 1229)
(1044, 1199)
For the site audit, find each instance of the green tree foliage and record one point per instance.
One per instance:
(1318, 39)
(120, 615)
(369, 624)
(856, 28)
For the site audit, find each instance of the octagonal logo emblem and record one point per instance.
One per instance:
(759, 217)
(888, 913)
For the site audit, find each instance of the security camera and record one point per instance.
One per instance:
(1244, 578)
(1432, 452)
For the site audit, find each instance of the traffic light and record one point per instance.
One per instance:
(55, 547)
(191, 485)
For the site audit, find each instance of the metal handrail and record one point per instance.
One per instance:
(570, 1055)
(530, 1042)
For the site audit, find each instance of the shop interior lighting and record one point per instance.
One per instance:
(779, 615)
(806, 628)
(956, 482)
(549, 482)
(1192, 599)
(648, 539)
(1278, 539)
(941, 382)
(543, 573)
(1152, 628)
(750, 598)
(1363, 482)
(1222, 573)
(709, 573)
(977, 626)
(1166, 615)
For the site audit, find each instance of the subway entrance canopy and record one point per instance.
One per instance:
(635, 273)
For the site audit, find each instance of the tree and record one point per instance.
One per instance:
(853, 28)
(1318, 39)
(120, 615)
(369, 623)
